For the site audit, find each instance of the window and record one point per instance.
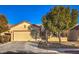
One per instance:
(24, 26)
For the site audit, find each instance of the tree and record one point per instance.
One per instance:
(60, 19)
(74, 17)
(3, 23)
(45, 32)
(34, 32)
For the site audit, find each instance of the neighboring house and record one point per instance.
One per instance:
(21, 31)
(73, 34)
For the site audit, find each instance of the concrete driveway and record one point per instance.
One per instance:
(31, 48)
(23, 48)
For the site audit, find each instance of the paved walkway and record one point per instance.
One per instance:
(23, 47)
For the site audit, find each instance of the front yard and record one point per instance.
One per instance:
(55, 39)
(23, 47)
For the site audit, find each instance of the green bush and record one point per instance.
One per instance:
(1, 39)
(4, 38)
(42, 44)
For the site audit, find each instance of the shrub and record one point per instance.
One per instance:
(42, 44)
(4, 38)
(1, 39)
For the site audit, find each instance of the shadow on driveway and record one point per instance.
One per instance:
(60, 48)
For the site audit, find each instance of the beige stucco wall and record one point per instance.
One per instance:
(55, 39)
(20, 26)
(5, 32)
(19, 35)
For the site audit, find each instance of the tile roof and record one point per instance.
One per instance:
(76, 27)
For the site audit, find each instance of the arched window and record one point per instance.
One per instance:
(24, 26)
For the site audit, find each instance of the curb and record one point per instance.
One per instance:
(5, 44)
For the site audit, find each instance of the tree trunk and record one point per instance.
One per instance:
(59, 36)
(35, 36)
(45, 40)
(46, 35)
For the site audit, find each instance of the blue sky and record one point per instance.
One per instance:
(30, 13)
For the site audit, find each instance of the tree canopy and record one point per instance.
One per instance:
(3, 23)
(60, 18)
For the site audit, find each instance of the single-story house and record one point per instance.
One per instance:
(21, 31)
(73, 34)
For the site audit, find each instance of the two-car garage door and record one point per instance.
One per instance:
(22, 36)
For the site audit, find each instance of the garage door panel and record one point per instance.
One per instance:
(22, 36)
